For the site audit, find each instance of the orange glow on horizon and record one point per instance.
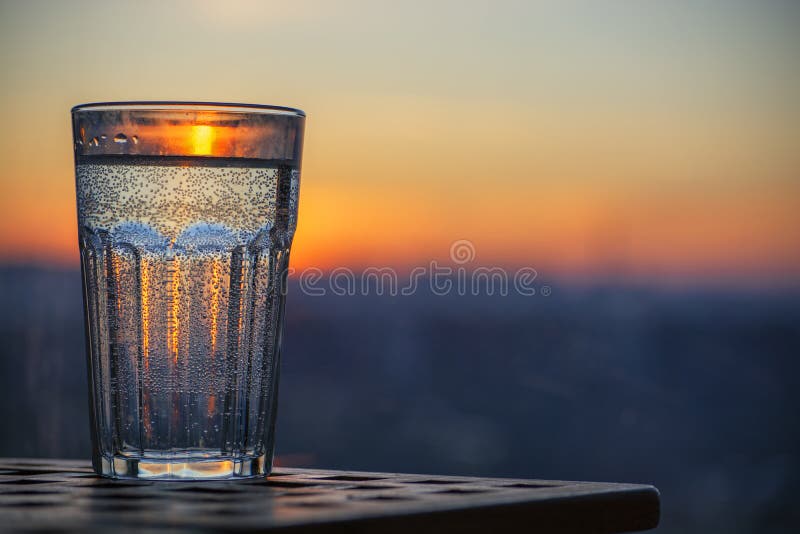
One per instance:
(754, 232)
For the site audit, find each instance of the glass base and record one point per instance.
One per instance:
(183, 468)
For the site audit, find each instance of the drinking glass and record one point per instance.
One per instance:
(186, 213)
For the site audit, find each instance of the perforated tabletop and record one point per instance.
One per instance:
(66, 496)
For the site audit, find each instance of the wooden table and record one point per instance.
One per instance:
(66, 496)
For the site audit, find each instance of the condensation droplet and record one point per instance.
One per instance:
(135, 139)
(120, 138)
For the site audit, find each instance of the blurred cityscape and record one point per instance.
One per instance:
(693, 390)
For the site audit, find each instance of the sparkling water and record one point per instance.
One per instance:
(184, 264)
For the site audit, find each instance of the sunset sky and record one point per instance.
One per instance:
(635, 139)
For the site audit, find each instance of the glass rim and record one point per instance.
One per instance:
(174, 105)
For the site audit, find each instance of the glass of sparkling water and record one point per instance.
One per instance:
(186, 213)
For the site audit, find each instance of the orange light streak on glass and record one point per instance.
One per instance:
(145, 283)
(173, 334)
(215, 286)
(241, 310)
(148, 424)
(203, 137)
(117, 283)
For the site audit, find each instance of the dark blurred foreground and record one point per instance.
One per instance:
(695, 392)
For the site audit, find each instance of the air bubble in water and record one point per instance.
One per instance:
(120, 138)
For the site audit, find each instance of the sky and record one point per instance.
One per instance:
(633, 140)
